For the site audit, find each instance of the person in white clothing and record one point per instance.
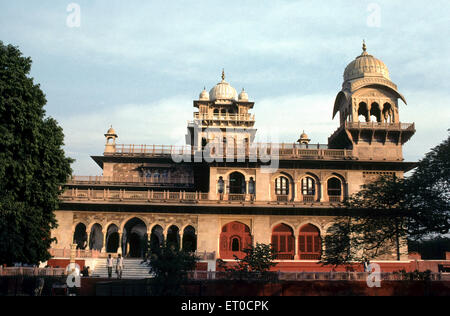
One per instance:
(109, 264)
(119, 266)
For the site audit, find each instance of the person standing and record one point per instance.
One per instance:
(119, 266)
(109, 265)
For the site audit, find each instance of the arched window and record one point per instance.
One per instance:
(282, 186)
(283, 242)
(216, 113)
(235, 245)
(308, 186)
(237, 183)
(375, 113)
(309, 243)
(363, 113)
(234, 238)
(388, 115)
(334, 187)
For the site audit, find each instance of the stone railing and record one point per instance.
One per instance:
(255, 151)
(29, 271)
(377, 125)
(144, 181)
(149, 196)
(304, 276)
(227, 117)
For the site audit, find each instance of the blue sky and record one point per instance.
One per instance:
(139, 64)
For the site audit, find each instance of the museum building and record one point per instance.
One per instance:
(222, 191)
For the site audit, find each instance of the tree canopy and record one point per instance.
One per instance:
(33, 165)
(387, 212)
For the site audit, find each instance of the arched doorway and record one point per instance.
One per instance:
(80, 236)
(135, 238)
(96, 237)
(156, 238)
(234, 238)
(309, 243)
(112, 239)
(283, 242)
(173, 237)
(189, 239)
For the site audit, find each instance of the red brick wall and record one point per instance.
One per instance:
(62, 263)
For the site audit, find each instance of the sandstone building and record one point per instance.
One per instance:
(223, 191)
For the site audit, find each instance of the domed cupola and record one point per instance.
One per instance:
(204, 96)
(223, 91)
(243, 96)
(366, 65)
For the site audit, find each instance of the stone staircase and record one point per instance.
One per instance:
(133, 269)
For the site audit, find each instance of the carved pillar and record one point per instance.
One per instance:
(119, 250)
(104, 241)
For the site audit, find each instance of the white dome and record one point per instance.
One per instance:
(223, 91)
(366, 65)
(204, 96)
(243, 96)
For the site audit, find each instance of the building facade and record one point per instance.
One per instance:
(223, 191)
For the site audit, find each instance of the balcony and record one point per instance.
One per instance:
(288, 151)
(93, 195)
(132, 181)
(225, 118)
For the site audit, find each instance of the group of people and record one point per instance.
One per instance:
(118, 264)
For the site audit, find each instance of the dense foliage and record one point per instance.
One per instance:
(170, 267)
(259, 258)
(33, 164)
(387, 212)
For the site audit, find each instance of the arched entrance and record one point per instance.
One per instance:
(96, 237)
(112, 239)
(156, 238)
(173, 237)
(135, 238)
(189, 239)
(235, 237)
(80, 236)
(309, 243)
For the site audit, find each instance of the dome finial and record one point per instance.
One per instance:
(223, 74)
(364, 47)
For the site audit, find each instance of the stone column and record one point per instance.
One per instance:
(119, 250)
(104, 241)
(296, 254)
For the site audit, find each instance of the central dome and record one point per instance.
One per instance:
(223, 91)
(366, 65)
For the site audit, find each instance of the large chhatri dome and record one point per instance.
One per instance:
(223, 91)
(366, 65)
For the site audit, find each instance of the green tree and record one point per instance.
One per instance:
(33, 165)
(389, 211)
(259, 258)
(376, 222)
(170, 267)
(428, 194)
